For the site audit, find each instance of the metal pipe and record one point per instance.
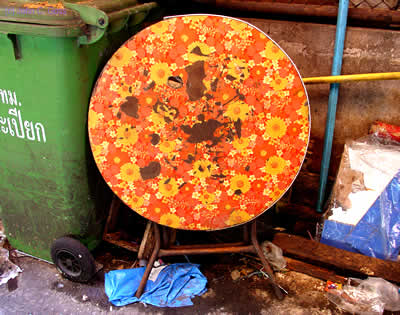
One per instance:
(353, 77)
(197, 246)
(206, 250)
(333, 98)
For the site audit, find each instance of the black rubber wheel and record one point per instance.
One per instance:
(72, 259)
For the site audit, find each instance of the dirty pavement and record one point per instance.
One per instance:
(40, 289)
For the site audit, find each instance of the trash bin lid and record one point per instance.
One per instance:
(199, 122)
(68, 19)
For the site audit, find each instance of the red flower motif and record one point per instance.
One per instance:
(181, 162)
(294, 130)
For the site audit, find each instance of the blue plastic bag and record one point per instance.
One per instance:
(175, 285)
(377, 234)
(364, 210)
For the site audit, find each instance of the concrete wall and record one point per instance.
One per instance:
(360, 103)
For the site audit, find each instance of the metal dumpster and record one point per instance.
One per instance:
(50, 56)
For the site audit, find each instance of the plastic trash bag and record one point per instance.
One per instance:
(274, 255)
(8, 270)
(367, 297)
(364, 210)
(389, 292)
(174, 286)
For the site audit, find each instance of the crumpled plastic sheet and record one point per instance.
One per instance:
(364, 211)
(8, 270)
(274, 255)
(174, 286)
(366, 297)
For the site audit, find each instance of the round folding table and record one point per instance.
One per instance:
(199, 122)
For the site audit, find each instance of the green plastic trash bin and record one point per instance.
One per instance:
(50, 56)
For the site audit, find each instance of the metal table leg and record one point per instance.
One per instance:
(152, 259)
(208, 249)
(265, 263)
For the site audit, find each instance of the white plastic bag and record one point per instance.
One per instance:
(274, 255)
(7, 269)
(389, 293)
(366, 297)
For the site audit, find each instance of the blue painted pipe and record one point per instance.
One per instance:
(333, 98)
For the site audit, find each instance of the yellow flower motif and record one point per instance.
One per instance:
(276, 194)
(141, 211)
(126, 134)
(130, 172)
(203, 168)
(184, 37)
(167, 146)
(97, 150)
(207, 198)
(237, 68)
(124, 91)
(275, 165)
(148, 100)
(279, 83)
(237, 217)
(240, 183)
(121, 57)
(160, 27)
(166, 37)
(198, 51)
(171, 220)
(136, 202)
(157, 119)
(125, 198)
(241, 143)
(303, 111)
(237, 110)
(168, 187)
(273, 52)
(228, 44)
(225, 96)
(123, 185)
(275, 127)
(93, 119)
(203, 48)
(237, 25)
(160, 72)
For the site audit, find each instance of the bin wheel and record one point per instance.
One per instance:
(72, 259)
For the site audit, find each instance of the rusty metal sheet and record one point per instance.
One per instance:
(199, 122)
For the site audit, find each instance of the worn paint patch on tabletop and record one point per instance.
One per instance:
(199, 122)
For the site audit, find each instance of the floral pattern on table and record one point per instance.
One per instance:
(199, 122)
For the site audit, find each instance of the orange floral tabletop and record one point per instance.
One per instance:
(199, 122)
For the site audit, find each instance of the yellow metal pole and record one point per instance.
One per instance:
(353, 77)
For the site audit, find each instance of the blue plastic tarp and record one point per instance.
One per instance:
(378, 232)
(175, 285)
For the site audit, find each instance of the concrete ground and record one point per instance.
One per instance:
(40, 289)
